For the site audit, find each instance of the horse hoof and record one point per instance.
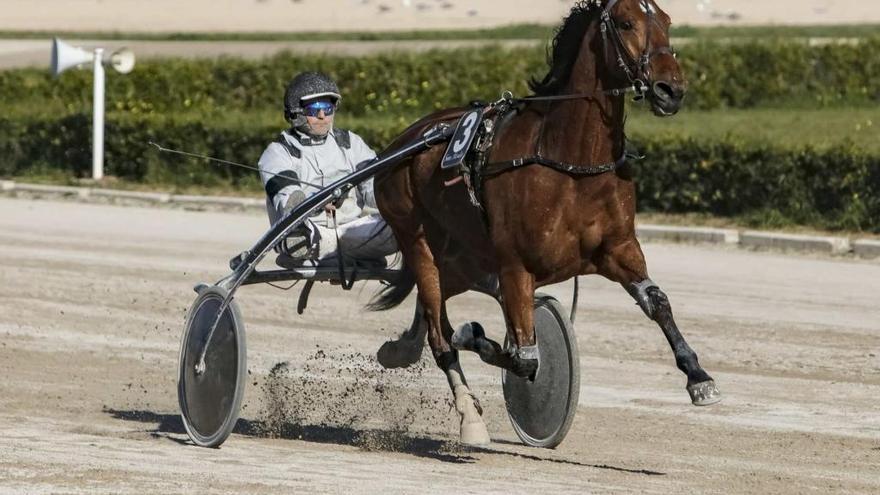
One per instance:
(704, 393)
(398, 354)
(474, 434)
(473, 429)
(465, 338)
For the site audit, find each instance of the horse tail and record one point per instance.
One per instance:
(395, 292)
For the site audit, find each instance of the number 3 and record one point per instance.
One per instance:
(468, 130)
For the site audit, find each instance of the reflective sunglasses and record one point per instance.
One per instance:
(314, 108)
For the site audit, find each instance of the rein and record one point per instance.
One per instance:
(581, 96)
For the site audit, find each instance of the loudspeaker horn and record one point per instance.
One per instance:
(122, 61)
(65, 56)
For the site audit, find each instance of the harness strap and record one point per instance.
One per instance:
(583, 96)
(497, 168)
(573, 96)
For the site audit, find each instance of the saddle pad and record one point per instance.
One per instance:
(461, 141)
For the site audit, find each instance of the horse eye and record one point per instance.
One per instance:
(626, 25)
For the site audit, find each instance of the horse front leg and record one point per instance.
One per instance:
(625, 264)
(521, 358)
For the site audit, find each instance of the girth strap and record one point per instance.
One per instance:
(497, 168)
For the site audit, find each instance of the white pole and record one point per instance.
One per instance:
(98, 117)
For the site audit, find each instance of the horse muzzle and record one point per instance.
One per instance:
(666, 98)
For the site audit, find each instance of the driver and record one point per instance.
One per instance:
(309, 156)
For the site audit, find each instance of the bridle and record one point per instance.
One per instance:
(637, 70)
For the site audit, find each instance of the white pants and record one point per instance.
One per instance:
(367, 237)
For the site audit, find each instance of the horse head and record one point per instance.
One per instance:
(636, 36)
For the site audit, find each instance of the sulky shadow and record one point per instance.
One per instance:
(646, 472)
(484, 450)
(368, 440)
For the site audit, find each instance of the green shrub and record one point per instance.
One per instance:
(746, 75)
(38, 145)
(741, 75)
(837, 188)
(230, 108)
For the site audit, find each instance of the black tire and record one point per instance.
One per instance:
(541, 412)
(210, 401)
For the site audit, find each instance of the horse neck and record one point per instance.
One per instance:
(586, 131)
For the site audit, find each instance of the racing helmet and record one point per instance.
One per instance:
(307, 86)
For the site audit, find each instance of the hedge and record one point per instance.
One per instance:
(740, 75)
(837, 188)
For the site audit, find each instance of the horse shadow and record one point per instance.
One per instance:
(367, 439)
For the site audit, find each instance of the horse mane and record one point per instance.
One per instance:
(563, 52)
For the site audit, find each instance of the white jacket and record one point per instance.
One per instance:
(317, 164)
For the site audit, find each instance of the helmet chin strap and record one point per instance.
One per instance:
(302, 126)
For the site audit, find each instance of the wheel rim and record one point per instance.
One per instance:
(210, 401)
(541, 411)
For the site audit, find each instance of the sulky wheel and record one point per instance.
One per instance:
(210, 399)
(542, 411)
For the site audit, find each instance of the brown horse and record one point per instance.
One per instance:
(540, 224)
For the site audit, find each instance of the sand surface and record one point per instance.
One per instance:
(92, 302)
(371, 15)
(37, 53)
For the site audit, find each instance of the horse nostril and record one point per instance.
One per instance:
(664, 91)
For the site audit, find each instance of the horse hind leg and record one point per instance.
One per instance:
(472, 337)
(517, 293)
(473, 430)
(626, 265)
(407, 349)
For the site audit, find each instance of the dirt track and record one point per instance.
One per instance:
(37, 53)
(373, 15)
(92, 301)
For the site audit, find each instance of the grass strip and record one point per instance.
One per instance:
(792, 128)
(820, 129)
